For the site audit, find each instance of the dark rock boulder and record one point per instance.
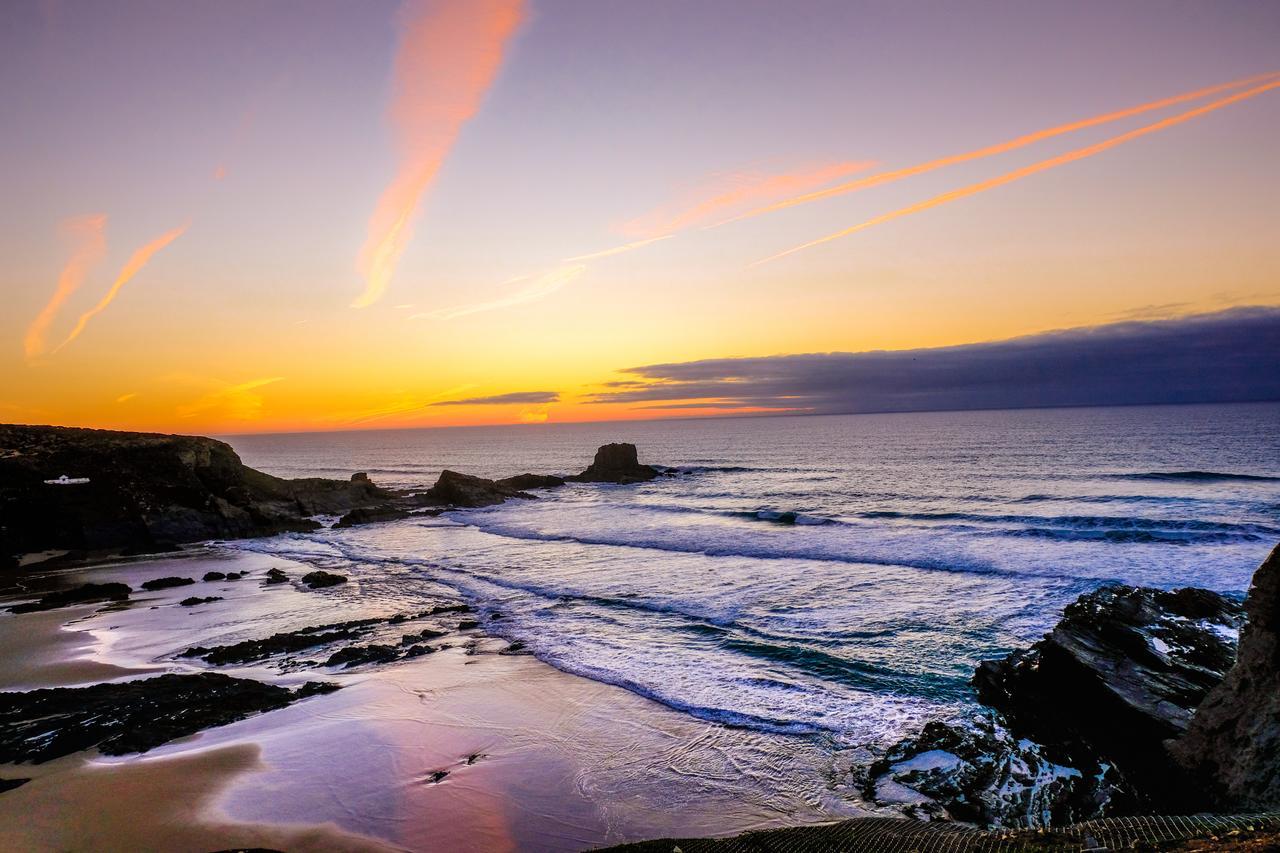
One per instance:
(274, 576)
(83, 594)
(976, 771)
(214, 576)
(1121, 673)
(616, 463)
(523, 482)
(321, 579)
(141, 492)
(1232, 746)
(195, 600)
(248, 651)
(357, 655)
(371, 514)
(133, 716)
(166, 583)
(465, 490)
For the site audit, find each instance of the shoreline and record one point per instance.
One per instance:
(531, 757)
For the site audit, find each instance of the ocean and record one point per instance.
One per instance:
(833, 578)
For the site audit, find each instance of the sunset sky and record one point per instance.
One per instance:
(252, 216)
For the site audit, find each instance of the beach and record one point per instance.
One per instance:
(535, 758)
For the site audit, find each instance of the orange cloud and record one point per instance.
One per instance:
(734, 192)
(88, 233)
(136, 262)
(1034, 168)
(448, 56)
(1000, 148)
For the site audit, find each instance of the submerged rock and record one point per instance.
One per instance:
(1232, 746)
(132, 716)
(321, 579)
(371, 515)
(194, 600)
(83, 594)
(275, 576)
(248, 651)
(617, 463)
(465, 490)
(357, 655)
(166, 583)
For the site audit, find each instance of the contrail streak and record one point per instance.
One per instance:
(1034, 168)
(130, 269)
(448, 57)
(1000, 148)
(91, 244)
(544, 285)
(616, 250)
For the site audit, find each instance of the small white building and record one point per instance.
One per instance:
(64, 480)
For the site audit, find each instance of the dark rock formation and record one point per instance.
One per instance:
(522, 482)
(1121, 673)
(214, 576)
(321, 579)
(421, 637)
(133, 716)
(10, 784)
(147, 490)
(616, 463)
(193, 601)
(275, 576)
(248, 651)
(1232, 746)
(166, 583)
(465, 490)
(371, 514)
(357, 655)
(86, 593)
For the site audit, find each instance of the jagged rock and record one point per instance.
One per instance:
(321, 579)
(166, 583)
(146, 491)
(468, 624)
(465, 490)
(131, 716)
(214, 576)
(977, 771)
(420, 637)
(616, 463)
(1232, 746)
(371, 514)
(275, 576)
(194, 600)
(418, 651)
(83, 594)
(1122, 672)
(522, 482)
(234, 576)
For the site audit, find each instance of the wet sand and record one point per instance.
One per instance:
(533, 759)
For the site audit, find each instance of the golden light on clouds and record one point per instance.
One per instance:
(448, 57)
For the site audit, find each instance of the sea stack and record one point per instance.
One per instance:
(617, 463)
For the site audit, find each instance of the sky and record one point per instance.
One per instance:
(253, 217)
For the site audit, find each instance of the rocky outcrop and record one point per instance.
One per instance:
(1077, 722)
(320, 579)
(84, 594)
(133, 716)
(464, 490)
(1232, 746)
(522, 482)
(1122, 672)
(617, 463)
(371, 515)
(143, 491)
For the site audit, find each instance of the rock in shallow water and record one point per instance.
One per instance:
(166, 583)
(132, 716)
(83, 594)
(321, 579)
(617, 463)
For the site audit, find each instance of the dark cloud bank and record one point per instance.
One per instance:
(1231, 356)
(505, 399)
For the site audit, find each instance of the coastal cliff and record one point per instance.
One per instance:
(143, 492)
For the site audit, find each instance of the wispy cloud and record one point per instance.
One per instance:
(90, 244)
(999, 148)
(541, 287)
(724, 193)
(1221, 357)
(240, 401)
(514, 398)
(135, 263)
(448, 57)
(616, 250)
(1027, 171)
